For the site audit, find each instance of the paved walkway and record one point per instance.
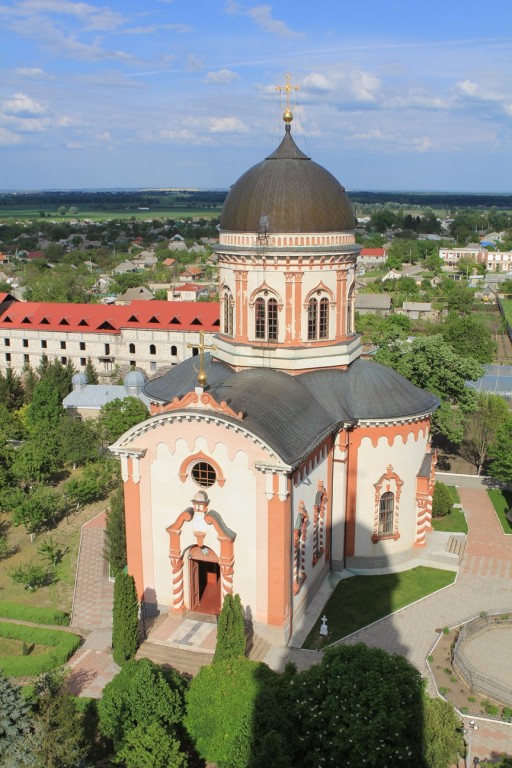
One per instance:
(92, 666)
(484, 583)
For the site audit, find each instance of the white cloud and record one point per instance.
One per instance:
(8, 138)
(34, 73)
(226, 125)
(347, 85)
(262, 16)
(222, 76)
(194, 63)
(91, 16)
(22, 105)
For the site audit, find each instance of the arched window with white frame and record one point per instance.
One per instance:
(386, 513)
(227, 299)
(318, 318)
(265, 318)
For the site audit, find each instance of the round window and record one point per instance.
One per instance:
(204, 474)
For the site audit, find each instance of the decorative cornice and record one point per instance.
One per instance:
(203, 400)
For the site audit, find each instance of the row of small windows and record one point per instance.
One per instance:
(289, 241)
(63, 345)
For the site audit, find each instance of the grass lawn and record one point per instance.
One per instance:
(59, 594)
(454, 493)
(361, 600)
(502, 501)
(454, 522)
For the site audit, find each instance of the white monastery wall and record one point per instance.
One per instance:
(240, 501)
(372, 463)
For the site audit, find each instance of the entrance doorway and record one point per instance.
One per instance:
(205, 592)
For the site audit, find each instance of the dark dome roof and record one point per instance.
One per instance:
(293, 193)
(292, 413)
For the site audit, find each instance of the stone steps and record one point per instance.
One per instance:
(456, 546)
(187, 662)
(257, 648)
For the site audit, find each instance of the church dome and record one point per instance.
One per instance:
(134, 382)
(287, 192)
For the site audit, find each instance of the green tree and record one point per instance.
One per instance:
(91, 372)
(11, 389)
(359, 706)
(45, 411)
(500, 453)
(30, 575)
(141, 694)
(120, 415)
(230, 630)
(41, 508)
(231, 705)
(115, 533)
(429, 363)
(38, 457)
(469, 337)
(151, 746)
(79, 442)
(441, 501)
(442, 734)
(58, 740)
(481, 428)
(93, 483)
(125, 629)
(15, 723)
(459, 298)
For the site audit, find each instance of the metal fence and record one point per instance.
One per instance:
(475, 679)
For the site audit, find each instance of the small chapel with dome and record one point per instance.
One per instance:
(280, 453)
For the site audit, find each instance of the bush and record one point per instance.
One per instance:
(224, 705)
(115, 533)
(442, 501)
(30, 575)
(33, 613)
(230, 630)
(62, 645)
(125, 629)
(140, 695)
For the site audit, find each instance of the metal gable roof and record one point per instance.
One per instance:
(293, 413)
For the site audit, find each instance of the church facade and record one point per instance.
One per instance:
(279, 453)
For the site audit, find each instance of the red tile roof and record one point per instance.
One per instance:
(102, 318)
(373, 252)
(188, 287)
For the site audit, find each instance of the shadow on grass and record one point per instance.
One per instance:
(362, 600)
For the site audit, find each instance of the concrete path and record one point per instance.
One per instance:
(92, 666)
(484, 583)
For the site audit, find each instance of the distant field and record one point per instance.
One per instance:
(29, 214)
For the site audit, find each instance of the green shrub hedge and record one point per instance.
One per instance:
(61, 646)
(33, 613)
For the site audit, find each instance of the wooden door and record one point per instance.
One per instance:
(194, 584)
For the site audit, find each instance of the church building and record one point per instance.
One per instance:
(278, 453)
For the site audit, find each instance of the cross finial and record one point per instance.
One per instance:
(287, 114)
(201, 375)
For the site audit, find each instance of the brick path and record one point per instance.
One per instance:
(92, 666)
(92, 604)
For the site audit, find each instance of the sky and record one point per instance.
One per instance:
(394, 94)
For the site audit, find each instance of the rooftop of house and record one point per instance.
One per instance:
(102, 318)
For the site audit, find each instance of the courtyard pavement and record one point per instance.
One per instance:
(484, 583)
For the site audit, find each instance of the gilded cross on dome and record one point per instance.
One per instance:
(201, 375)
(287, 114)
